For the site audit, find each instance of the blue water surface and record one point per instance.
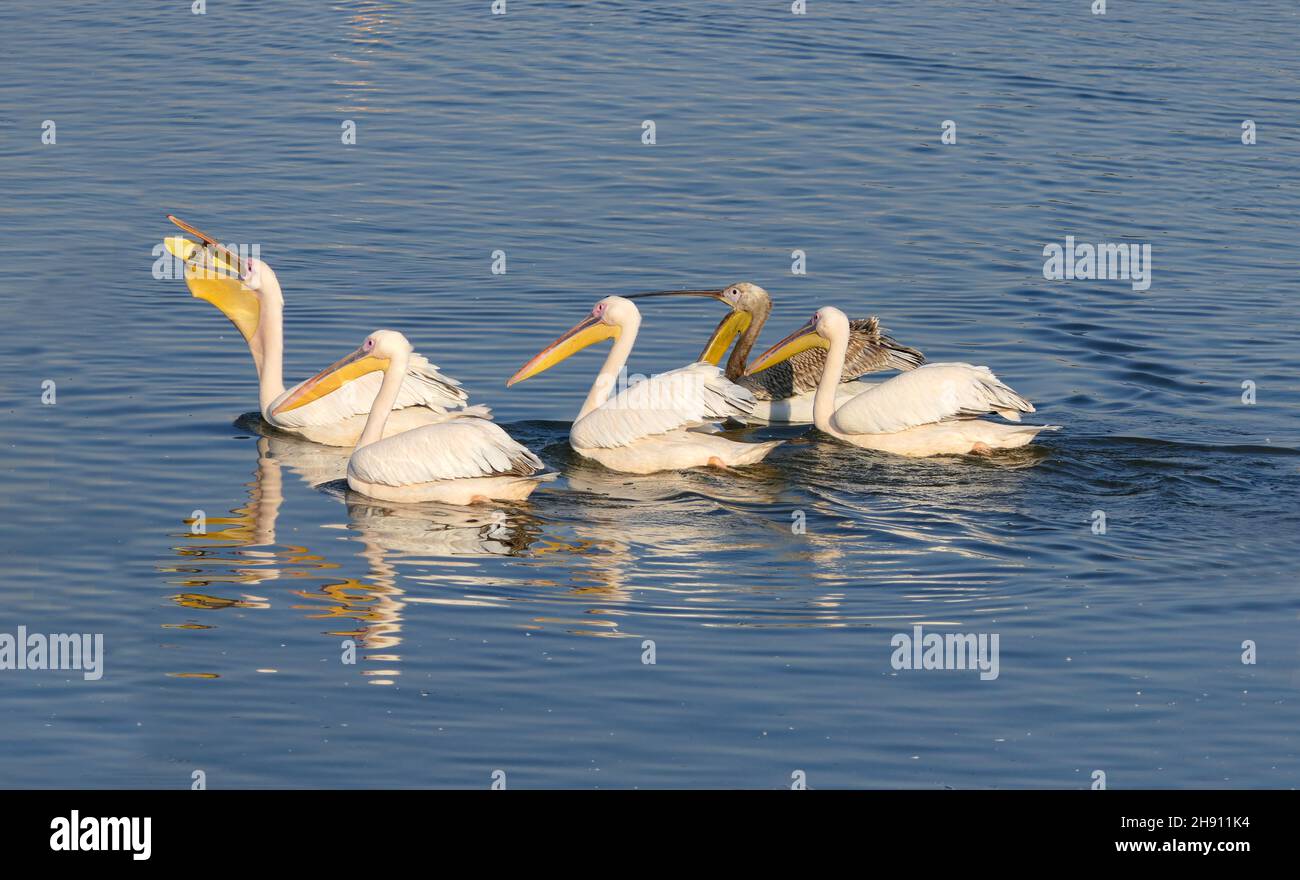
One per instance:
(514, 637)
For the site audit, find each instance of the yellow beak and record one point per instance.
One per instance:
(332, 378)
(180, 247)
(237, 302)
(728, 329)
(804, 338)
(587, 332)
(212, 273)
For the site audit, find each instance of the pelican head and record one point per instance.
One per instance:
(216, 274)
(376, 353)
(611, 316)
(746, 296)
(750, 306)
(828, 324)
(257, 276)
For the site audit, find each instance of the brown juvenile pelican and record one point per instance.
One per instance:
(785, 391)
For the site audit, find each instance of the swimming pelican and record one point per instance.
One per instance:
(248, 293)
(931, 410)
(785, 391)
(462, 459)
(646, 427)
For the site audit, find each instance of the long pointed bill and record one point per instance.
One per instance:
(587, 332)
(728, 329)
(331, 379)
(804, 338)
(714, 293)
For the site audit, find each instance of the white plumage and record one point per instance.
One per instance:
(453, 457)
(688, 397)
(456, 449)
(929, 394)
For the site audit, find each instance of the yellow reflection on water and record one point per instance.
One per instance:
(243, 552)
(617, 553)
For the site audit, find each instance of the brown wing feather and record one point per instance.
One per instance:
(869, 350)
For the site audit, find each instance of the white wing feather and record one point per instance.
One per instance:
(423, 386)
(929, 394)
(683, 398)
(458, 448)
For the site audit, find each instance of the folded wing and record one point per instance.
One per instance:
(687, 397)
(929, 394)
(458, 448)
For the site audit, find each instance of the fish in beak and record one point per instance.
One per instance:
(226, 256)
(212, 273)
(217, 263)
(587, 332)
(804, 338)
(332, 378)
(217, 256)
(735, 323)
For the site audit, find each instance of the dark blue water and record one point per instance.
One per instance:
(512, 638)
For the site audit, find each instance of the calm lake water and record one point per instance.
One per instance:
(511, 638)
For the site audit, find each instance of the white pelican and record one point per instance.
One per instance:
(784, 392)
(462, 459)
(647, 427)
(931, 410)
(248, 293)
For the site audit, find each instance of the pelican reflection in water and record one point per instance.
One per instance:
(241, 552)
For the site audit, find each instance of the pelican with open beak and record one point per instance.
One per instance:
(932, 410)
(648, 426)
(784, 393)
(247, 292)
(461, 459)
